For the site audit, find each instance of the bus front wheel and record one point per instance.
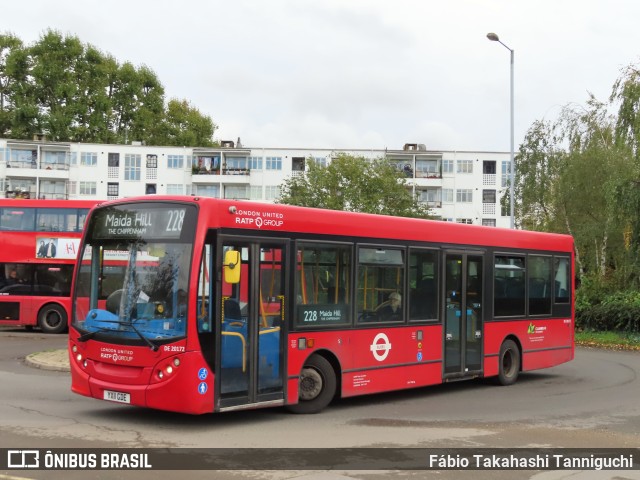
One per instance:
(509, 363)
(317, 386)
(52, 319)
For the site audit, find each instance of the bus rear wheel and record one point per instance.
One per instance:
(317, 386)
(509, 363)
(52, 319)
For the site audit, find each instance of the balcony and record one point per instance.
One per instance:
(488, 208)
(235, 171)
(489, 179)
(52, 195)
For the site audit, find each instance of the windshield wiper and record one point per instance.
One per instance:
(152, 345)
(86, 336)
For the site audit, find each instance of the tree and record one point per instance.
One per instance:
(70, 91)
(8, 45)
(354, 184)
(567, 180)
(537, 167)
(184, 125)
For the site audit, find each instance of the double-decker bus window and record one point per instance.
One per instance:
(380, 292)
(30, 279)
(509, 286)
(539, 272)
(562, 280)
(423, 284)
(323, 285)
(60, 219)
(17, 219)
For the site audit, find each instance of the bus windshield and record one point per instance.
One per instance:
(133, 278)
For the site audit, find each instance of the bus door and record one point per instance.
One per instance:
(463, 329)
(252, 316)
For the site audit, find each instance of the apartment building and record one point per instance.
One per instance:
(458, 186)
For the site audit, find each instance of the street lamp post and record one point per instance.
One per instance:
(494, 38)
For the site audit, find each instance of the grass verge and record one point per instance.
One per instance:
(612, 340)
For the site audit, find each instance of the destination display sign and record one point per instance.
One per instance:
(140, 221)
(321, 314)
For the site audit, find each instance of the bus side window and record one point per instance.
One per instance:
(323, 283)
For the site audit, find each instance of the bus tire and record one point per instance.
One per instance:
(52, 318)
(317, 386)
(508, 363)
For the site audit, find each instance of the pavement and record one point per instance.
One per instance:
(57, 360)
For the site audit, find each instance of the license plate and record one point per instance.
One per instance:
(120, 397)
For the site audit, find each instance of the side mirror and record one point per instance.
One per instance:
(231, 266)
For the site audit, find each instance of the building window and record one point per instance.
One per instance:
(466, 221)
(132, 166)
(255, 193)
(89, 159)
(447, 195)
(488, 196)
(206, 191)
(272, 192)
(428, 168)
(235, 192)
(489, 167)
(55, 160)
(489, 222)
(235, 163)
(273, 163)
(320, 161)
(87, 188)
(114, 159)
(175, 189)
(447, 166)
(255, 163)
(431, 196)
(152, 161)
(465, 166)
(175, 161)
(464, 195)
(113, 189)
(505, 173)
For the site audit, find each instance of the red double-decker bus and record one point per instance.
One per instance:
(39, 241)
(220, 305)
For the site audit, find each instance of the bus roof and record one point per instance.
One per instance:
(47, 203)
(267, 217)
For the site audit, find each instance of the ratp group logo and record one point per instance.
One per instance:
(23, 459)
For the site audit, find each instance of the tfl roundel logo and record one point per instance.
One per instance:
(380, 347)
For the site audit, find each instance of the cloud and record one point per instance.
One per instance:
(362, 73)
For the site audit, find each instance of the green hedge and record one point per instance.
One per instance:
(619, 311)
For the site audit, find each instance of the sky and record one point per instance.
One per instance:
(368, 74)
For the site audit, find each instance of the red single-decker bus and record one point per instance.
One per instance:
(219, 305)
